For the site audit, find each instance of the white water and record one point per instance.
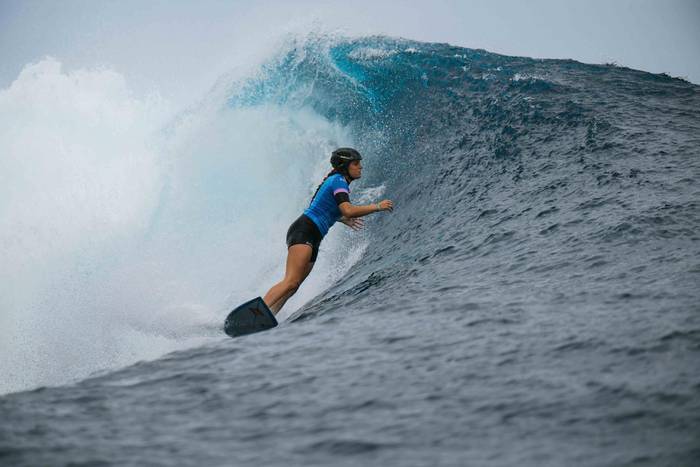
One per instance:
(124, 235)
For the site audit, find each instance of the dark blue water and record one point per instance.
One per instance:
(533, 300)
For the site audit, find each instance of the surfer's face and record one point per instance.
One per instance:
(355, 169)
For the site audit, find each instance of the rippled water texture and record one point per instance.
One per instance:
(532, 301)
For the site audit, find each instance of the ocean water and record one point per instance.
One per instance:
(533, 300)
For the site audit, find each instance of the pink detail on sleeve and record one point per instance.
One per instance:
(340, 190)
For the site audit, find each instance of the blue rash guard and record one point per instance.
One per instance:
(324, 209)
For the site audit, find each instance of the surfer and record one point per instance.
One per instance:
(330, 203)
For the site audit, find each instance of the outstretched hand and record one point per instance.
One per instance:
(355, 223)
(386, 205)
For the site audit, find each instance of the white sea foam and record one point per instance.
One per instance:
(125, 236)
(526, 77)
(371, 53)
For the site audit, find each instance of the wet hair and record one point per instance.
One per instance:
(332, 172)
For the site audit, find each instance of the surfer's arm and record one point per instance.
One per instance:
(341, 193)
(350, 211)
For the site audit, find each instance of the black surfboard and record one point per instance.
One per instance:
(252, 316)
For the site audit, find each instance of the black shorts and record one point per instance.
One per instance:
(304, 231)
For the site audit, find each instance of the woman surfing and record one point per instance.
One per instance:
(330, 203)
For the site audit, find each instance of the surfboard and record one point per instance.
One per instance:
(252, 316)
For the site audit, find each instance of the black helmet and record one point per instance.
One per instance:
(341, 158)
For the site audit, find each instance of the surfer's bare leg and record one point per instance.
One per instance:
(277, 306)
(297, 268)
